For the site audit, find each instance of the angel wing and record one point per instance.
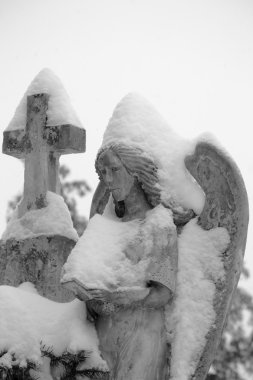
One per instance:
(226, 206)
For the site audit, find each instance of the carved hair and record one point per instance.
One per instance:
(139, 165)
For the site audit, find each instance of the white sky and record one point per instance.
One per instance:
(192, 59)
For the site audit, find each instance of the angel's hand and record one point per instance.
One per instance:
(92, 312)
(122, 297)
(129, 296)
(99, 295)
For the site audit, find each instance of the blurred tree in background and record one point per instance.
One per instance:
(234, 358)
(71, 190)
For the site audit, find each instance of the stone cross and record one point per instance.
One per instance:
(40, 146)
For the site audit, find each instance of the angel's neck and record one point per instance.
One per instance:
(136, 204)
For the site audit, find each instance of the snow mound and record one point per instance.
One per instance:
(199, 267)
(28, 321)
(28, 287)
(135, 122)
(54, 219)
(105, 255)
(59, 111)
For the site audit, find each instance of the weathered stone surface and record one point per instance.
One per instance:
(64, 139)
(41, 146)
(38, 260)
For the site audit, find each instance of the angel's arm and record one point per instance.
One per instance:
(124, 297)
(155, 295)
(162, 270)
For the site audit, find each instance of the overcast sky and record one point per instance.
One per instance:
(192, 59)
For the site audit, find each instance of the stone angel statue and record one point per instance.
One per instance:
(162, 253)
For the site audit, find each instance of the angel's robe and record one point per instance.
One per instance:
(133, 339)
(116, 255)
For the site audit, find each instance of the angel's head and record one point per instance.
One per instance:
(119, 166)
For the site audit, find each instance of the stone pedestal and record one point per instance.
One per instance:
(37, 260)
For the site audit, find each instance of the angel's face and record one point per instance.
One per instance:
(115, 175)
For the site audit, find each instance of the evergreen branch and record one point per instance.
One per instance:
(94, 374)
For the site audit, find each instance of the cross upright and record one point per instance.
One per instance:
(41, 145)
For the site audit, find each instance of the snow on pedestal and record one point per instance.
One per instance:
(30, 325)
(54, 219)
(35, 247)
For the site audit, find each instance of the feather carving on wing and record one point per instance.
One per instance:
(226, 205)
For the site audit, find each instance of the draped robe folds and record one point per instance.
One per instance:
(133, 337)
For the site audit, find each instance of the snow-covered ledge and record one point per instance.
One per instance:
(46, 340)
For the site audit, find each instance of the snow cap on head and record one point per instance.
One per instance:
(135, 122)
(133, 118)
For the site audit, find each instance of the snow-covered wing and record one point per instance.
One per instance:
(226, 206)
